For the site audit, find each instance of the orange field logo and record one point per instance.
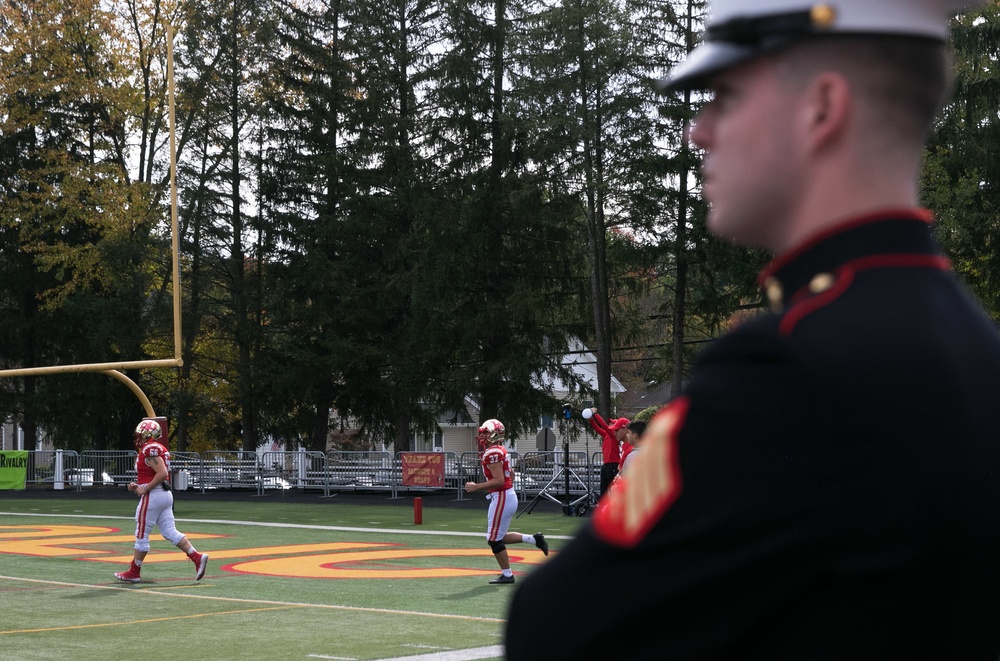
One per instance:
(340, 560)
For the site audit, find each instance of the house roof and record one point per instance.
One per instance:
(653, 394)
(459, 417)
(584, 365)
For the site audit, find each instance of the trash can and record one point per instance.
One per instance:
(179, 480)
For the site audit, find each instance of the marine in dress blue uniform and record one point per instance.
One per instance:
(826, 486)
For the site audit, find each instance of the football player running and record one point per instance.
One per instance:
(503, 499)
(156, 502)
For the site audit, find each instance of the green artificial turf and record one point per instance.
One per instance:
(266, 595)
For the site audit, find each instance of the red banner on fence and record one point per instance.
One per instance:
(423, 469)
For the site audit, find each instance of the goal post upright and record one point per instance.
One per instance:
(175, 238)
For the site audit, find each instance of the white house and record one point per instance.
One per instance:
(457, 430)
(12, 437)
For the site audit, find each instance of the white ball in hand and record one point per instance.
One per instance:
(587, 414)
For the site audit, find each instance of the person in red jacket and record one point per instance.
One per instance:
(612, 435)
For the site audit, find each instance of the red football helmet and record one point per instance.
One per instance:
(145, 432)
(491, 432)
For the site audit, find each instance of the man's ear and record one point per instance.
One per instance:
(827, 109)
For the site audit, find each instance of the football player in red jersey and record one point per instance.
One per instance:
(156, 502)
(503, 499)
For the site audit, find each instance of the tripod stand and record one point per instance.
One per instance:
(570, 507)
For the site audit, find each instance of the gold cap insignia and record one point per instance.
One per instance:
(822, 16)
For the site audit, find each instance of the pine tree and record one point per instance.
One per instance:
(961, 176)
(74, 225)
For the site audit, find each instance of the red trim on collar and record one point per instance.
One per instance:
(924, 215)
(845, 276)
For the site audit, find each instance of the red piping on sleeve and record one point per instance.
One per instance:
(845, 277)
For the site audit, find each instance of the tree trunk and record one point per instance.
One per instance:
(597, 231)
(680, 251)
(240, 302)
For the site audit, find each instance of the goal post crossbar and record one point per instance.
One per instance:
(91, 367)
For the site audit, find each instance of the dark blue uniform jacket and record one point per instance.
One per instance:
(826, 487)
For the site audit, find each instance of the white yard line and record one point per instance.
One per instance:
(490, 652)
(303, 526)
(452, 655)
(134, 590)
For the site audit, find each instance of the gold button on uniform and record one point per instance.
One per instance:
(775, 294)
(820, 283)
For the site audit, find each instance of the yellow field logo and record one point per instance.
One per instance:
(340, 560)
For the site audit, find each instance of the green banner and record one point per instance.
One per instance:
(13, 469)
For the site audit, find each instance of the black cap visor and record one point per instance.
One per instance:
(742, 39)
(705, 61)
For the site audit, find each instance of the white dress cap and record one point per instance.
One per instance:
(738, 30)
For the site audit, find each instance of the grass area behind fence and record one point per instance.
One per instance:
(287, 580)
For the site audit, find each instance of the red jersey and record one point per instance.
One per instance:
(609, 444)
(146, 473)
(497, 454)
(626, 450)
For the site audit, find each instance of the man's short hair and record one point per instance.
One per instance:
(906, 79)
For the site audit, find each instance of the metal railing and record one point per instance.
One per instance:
(267, 472)
(110, 468)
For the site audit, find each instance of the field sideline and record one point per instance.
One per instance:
(356, 580)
